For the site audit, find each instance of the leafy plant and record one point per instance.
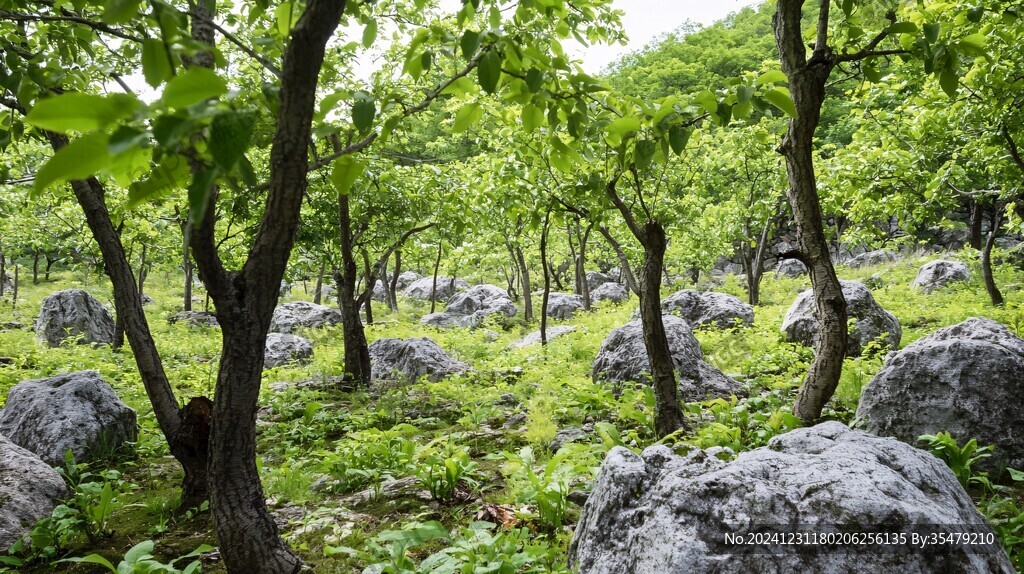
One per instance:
(441, 474)
(139, 559)
(961, 460)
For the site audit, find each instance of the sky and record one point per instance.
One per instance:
(644, 20)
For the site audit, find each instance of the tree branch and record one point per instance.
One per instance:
(69, 17)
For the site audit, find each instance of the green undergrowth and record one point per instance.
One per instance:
(413, 478)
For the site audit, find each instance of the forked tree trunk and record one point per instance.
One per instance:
(986, 258)
(624, 267)
(807, 80)
(668, 414)
(393, 288)
(49, 265)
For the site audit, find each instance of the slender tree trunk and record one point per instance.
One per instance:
(581, 267)
(977, 216)
(527, 288)
(393, 289)
(624, 266)
(668, 415)
(142, 271)
(547, 280)
(189, 268)
(357, 351)
(318, 293)
(371, 283)
(3, 272)
(807, 80)
(555, 276)
(17, 284)
(49, 265)
(986, 257)
(433, 285)
(35, 268)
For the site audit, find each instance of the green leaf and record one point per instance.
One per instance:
(931, 32)
(707, 100)
(156, 65)
(975, 14)
(199, 194)
(370, 33)
(79, 159)
(678, 136)
(283, 16)
(871, 73)
(624, 125)
(533, 117)
(469, 43)
(140, 550)
(847, 7)
(771, 77)
(345, 171)
(81, 112)
(949, 81)
(119, 11)
(643, 154)
(534, 80)
(744, 94)
(364, 110)
(974, 43)
(489, 71)
(92, 559)
(780, 98)
(193, 86)
(468, 115)
(230, 133)
(902, 28)
(170, 174)
(126, 138)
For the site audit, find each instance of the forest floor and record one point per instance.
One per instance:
(357, 480)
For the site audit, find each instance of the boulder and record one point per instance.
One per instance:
(939, 273)
(74, 312)
(563, 305)
(872, 321)
(405, 278)
(964, 379)
(302, 314)
(446, 320)
(566, 436)
(708, 308)
(195, 318)
(78, 411)
(422, 288)
(285, 348)
(790, 269)
(472, 307)
(660, 512)
(595, 279)
(623, 357)
(379, 292)
(29, 491)
(877, 257)
(147, 300)
(554, 331)
(613, 292)
(411, 359)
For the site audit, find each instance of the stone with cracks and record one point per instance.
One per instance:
(422, 288)
(74, 312)
(301, 314)
(595, 279)
(964, 379)
(660, 512)
(78, 411)
(470, 308)
(563, 305)
(939, 273)
(410, 359)
(623, 357)
(29, 491)
(553, 332)
(283, 348)
(877, 257)
(613, 292)
(405, 278)
(790, 269)
(195, 318)
(708, 308)
(870, 320)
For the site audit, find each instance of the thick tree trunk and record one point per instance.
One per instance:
(49, 266)
(668, 415)
(527, 288)
(118, 332)
(624, 266)
(807, 80)
(986, 258)
(357, 351)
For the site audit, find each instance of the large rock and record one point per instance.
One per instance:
(877, 257)
(411, 359)
(964, 379)
(195, 318)
(708, 308)
(623, 357)
(301, 314)
(29, 491)
(472, 307)
(380, 292)
(405, 278)
(939, 273)
(871, 321)
(790, 269)
(613, 292)
(595, 279)
(659, 512)
(563, 305)
(78, 411)
(73, 312)
(553, 332)
(422, 288)
(285, 348)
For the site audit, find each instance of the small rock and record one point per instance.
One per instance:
(939, 273)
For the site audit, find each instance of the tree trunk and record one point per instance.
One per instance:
(14, 293)
(142, 270)
(527, 288)
(986, 257)
(433, 285)
(3, 272)
(318, 293)
(581, 267)
(49, 265)
(35, 268)
(393, 288)
(624, 266)
(668, 414)
(977, 216)
(370, 284)
(547, 280)
(189, 268)
(555, 275)
(357, 351)
(807, 80)
(118, 332)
